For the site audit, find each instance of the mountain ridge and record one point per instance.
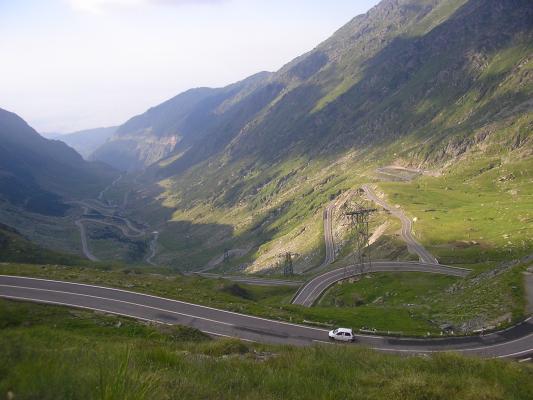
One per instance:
(86, 141)
(414, 82)
(37, 173)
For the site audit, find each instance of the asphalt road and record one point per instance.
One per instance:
(252, 280)
(313, 289)
(407, 228)
(127, 228)
(153, 248)
(328, 238)
(101, 195)
(83, 234)
(84, 245)
(328, 235)
(396, 173)
(514, 342)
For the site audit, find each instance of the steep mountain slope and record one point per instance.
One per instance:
(87, 141)
(414, 82)
(180, 123)
(36, 173)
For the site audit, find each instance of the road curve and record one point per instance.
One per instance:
(84, 244)
(328, 238)
(313, 289)
(127, 228)
(153, 248)
(514, 342)
(123, 229)
(407, 228)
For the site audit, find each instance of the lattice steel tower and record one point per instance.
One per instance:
(359, 218)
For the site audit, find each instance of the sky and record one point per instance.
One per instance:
(69, 65)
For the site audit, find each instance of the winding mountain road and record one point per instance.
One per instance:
(407, 228)
(312, 290)
(108, 211)
(514, 342)
(328, 235)
(125, 229)
(153, 248)
(84, 244)
(328, 238)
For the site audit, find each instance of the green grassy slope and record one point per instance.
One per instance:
(417, 83)
(54, 353)
(16, 248)
(479, 212)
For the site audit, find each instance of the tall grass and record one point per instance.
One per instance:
(54, 358)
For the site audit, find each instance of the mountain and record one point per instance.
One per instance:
(422, 83)
(386, 74)
(37, 173)
(182, 122)
(87, 141)
(51, 135)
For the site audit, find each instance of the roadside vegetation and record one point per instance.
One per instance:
(410, 304)
(49, 352)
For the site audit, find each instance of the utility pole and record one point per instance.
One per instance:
(359, 218)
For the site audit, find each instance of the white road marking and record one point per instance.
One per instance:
(166, 299)
(120, 301)
(82, 307)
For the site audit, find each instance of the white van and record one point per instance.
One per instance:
(342, 334)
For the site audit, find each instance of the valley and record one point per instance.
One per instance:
(207, 247)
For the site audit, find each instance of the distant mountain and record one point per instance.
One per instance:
(37, 173)
(50, 135)
(180, 124)
(87, 141)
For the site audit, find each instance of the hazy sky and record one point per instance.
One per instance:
(77, 64)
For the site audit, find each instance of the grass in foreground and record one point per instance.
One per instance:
(49, 352)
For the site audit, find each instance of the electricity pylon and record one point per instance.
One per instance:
(359, 218)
